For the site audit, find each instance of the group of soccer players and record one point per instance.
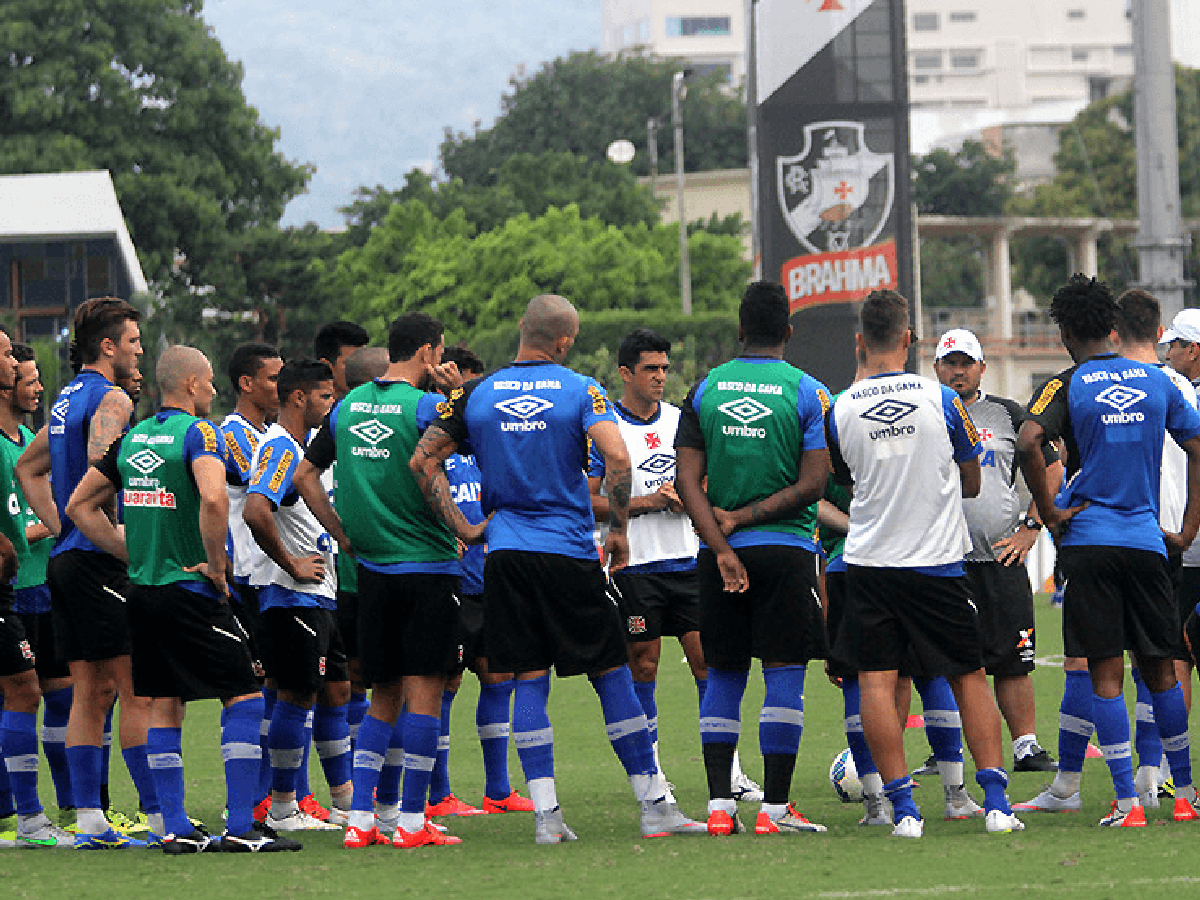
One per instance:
(383, 519)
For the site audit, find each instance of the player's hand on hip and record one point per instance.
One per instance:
(475, 534)
(1175, 542)
(217, 577)
(615, 552)
(1057, 519)
(308, 569)
(733, 573)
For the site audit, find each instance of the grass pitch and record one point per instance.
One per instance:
(1059, 856)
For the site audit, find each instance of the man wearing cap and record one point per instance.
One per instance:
(1002, 533)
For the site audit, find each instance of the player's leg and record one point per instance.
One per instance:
(442, 801)
(492, 723)
(331, 728)
(1074, 732)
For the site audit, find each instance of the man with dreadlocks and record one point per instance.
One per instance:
(1112, 413)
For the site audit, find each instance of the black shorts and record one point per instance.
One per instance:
(187, 645)
(657, 604)
(303, 649)
(1004, 603)
(1118, 599)
(835, 609)
(899, 619)
(778, 619)
(16, 655)
(545, 609)
(470, 629)
(243, 600)
(1191, 635)
(88, 594)
(347, 621)
(39, 631)
(1187, 595)
(407, 625)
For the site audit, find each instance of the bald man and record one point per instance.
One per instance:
(529, 424)
(187, 645)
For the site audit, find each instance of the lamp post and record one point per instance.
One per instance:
(678, 92)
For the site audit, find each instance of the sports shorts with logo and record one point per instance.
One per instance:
(658, 604)
(16, 654)
(1004, 602)
(303, 648)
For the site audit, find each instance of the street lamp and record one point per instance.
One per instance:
(678, 92)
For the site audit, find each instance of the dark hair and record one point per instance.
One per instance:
(763, 314)
(96, 320)
(468, 363)
(883, 319)
(637, 342)
(23, 352)
(1139, 315)
(247, 360)
(410, 333)
(1084, 308)
(302, 375)
(333, 336)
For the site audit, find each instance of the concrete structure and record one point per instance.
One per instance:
(62, 240)
(709, 36)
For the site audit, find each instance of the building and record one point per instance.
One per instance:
(710, 36)
(62, 240)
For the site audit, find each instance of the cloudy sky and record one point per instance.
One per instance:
(363, 89)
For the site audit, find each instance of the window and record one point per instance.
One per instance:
(964, 60)
(1079, 54)
(698, 26)
(724, 69)
(1123, 50)
(921, 79)
(1076, 15)
(964, 16)
(97, 276)
(925, 21)
(927, 60)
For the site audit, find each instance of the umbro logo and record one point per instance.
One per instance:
(745, 410)
(372, 431)
(889, 412)
(1120, 397)
(59, 410)
(524, 407)
(657, 464)
(145, 461)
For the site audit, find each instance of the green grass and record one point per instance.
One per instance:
(1059, 856)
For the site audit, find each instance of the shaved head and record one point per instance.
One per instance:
(547, 318)
(176, 365)
(365, 364)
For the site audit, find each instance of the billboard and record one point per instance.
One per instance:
(830, 165)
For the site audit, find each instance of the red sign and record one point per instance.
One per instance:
(840, 276)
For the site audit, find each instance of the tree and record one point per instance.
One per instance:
(969, 182)
(581, 103)
(142, 88)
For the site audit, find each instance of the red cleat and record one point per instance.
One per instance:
(429, 834)
(260, 811)
(514, 802)
(357, 838)
(310, 805)
(452, 806)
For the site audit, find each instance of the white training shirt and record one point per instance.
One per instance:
(1172, 496)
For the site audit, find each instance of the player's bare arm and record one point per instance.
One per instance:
(807, 490)
(259, 517)
(209, 473)
(1191, 513)
(663, 499)
(691, 466)
(1014, 549)
(971, 475)
(108, 423)
(1033, 468)
(307, 482)
(88, 509)
(33, 474)
(427, 467)
(618, 484)
(830, 518)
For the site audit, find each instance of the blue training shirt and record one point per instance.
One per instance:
(463, 474)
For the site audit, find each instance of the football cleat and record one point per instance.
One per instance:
(262, 808)
(549, 827)
(1185, 810)
(298, 820)
(722, 822)
(426, 835)
(746, 789)
(928, 768)
(878, 810)
(909, 827)
(308, 804)
(259, 839)
(998, 822)
(1135, 817)
(663, 817)
(126, 825)
(452, 806)
(106, 840)
(357, 838)
(1038, 761)
(959, 804)
(40, 833)
(339, 816)
(1166, 788)
(195, 841)
(791, 822)
(1048, 801)
(514, 802)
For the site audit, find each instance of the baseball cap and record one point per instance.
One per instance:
(959, 340)
(1185, 327)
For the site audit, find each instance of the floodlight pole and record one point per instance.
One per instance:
(685, 271)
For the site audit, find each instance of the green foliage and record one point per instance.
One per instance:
(953, 272)
(581, 103)
(969, 182)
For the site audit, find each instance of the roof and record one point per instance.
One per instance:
(67, 205)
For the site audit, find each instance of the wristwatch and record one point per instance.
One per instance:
(1031, 523)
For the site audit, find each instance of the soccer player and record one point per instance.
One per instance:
(293, 576)
(335, 343)
(170, 469)
(1002, 534)
(88, 586)
(656, 593)
(911, 452)
(408, 569)
(754, 429)
(1112, 413)
(528, 424)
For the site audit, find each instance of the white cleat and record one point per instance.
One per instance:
(549, 827)
(959, 804)
(298, 820)
(998, 822)
(745, 789)
(878, 810)
(1048, 801)
(663, 817)
(909, 827)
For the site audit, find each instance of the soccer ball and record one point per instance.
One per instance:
(844, 778)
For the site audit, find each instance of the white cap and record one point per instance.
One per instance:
(959, 340)
(1185, 327)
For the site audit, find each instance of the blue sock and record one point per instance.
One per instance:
(18, 733)
(265, 773)
(531, 727)
(285, 740)
(645, 695)
(864, 763)
(943, 724)
(1075, 723)
(1146, 740)
(139, 771)
(420, 752)
(373, 738)
(355, 710)
(625, 721)
(439, 778)
(6, 798)
(701, 689)
(302, 786)
(1112, 730)
(85, 760)
(1170, 712)
(900, 793)
(782, 719)
(241, 753)
(387, 792)
(54, 742)
(720, 713)
(331, 735)
(491, 722)
(994, 783)
(164, 755)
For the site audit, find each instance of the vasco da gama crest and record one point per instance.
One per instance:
(837, 193)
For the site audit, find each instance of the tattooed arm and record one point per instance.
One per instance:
(108, 423)
(618, 484)
(426, 467)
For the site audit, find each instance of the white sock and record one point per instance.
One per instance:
(1066, 784)
(648, 787)
(544, 794)
(155, 821)
(412, 822)
(281, 809)
(1146, 779)
(723, 804)
(872, 783)
(91, 820)
(951, 774)
(1023, 746)
(361, 819)
(774, 811)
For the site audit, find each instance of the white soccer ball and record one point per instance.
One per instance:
(844, 778)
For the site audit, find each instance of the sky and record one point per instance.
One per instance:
(364, 89)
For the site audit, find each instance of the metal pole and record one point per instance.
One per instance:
(685, 269)
(652, 140)
(752, 136)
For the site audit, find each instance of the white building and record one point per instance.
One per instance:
(710, 35)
